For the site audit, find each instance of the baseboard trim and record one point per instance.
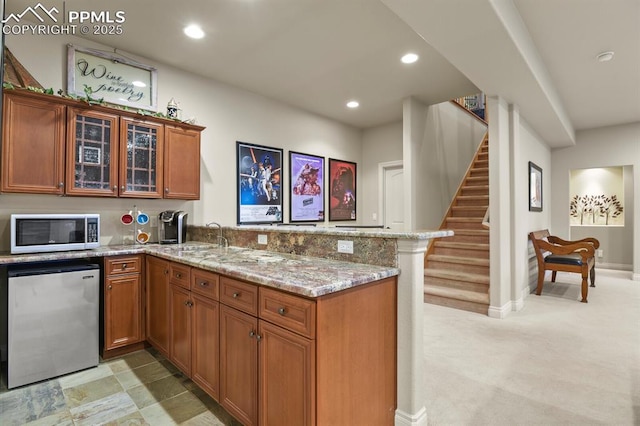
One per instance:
(406, 419)
(615, 266)
(519, 303)
(635, 277)
(500, 312)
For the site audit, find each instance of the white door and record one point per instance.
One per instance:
(393, 197)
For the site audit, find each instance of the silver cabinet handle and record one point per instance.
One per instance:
(61, 184)
(166, 272)
(281, 311)
(204, 283)
(122, 188)
(236, 295)
(258, 337)
(178, 275)
(252, 333)
(110, 287)
(124, 266)
(166, 190)
(115, 187)
(186, 303)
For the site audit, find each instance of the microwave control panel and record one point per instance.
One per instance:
(93, 231)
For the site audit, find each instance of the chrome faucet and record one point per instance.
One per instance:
(222, 241)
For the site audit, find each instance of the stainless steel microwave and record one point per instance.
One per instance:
(34, 233)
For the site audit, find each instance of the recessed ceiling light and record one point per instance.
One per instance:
(409, 58)
(194, 31)
(353, 104)
(605, 56)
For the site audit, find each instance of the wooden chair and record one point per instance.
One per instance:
(555, 254)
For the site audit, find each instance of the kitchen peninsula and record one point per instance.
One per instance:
(333, 299)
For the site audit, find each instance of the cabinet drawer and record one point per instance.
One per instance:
(205, 283)
(122, 265)
(288, 311)
(180, 275)
(239, 295)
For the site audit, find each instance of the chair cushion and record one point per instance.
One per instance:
(564, 259)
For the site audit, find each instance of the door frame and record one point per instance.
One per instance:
(382, 168)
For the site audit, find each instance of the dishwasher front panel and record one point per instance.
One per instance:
(53, 325)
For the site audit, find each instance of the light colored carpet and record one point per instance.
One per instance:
(555, 362)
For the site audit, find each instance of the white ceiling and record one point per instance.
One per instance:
(317, 54)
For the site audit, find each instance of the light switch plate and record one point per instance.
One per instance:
(262, 239)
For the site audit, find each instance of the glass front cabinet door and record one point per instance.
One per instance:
(141, 149)
(92, 153)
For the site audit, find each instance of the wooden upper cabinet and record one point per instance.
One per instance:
(141, 156)
(92, 153)
(55, 145)
(182, 163)
(32, 144)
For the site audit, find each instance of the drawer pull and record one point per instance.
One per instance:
(236, 295)
(252, 333)
(124, 266)
(178, 275)
(110, 287)
(204, 283)
(281, 311)
(258, 337)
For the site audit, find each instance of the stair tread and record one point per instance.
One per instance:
(476, 187)
(469, 207)
(457, 294)
(473, 197)
(469, 232)
(468, 246)
(458, 259)
(465, 219)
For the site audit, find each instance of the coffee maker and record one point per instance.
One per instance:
(172, 227)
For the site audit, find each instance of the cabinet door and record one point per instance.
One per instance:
(32, 144)
(92, 153)
(123, 313)
(239, 365)
(287, 377)
(180, 334)
(205, 366)
(181, 163)
(157, 298)
(141, 156)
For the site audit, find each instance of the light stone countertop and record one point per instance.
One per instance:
(303, 275)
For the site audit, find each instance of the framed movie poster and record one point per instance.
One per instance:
(259, 184)
(342, 192)
(306, 178)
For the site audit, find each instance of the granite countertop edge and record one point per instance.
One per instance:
(303, 275)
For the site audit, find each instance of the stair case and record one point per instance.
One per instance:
(456, 270)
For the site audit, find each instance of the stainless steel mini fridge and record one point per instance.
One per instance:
(53, 313)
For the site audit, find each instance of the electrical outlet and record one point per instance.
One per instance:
(374, 216)
(600, 253)
(345, 246)
(262, 239)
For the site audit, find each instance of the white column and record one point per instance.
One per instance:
(411, 409)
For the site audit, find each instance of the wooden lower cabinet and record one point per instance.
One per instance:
(123, 308)
(239, 364)
(205, 345)
(275, 358)
(157, 298)
(286, 376)
(180, 333)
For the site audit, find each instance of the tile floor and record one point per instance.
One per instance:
(141, 388)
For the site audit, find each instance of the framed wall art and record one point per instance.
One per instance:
(342, 192)
(306, 178)
(115, 79)
(259, 184)
(535, 188)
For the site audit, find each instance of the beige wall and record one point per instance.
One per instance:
(603, 147)
(229, 114)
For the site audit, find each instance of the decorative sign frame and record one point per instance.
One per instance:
(114, 79)
(306, 181)
(342, 195)
(259, 184)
